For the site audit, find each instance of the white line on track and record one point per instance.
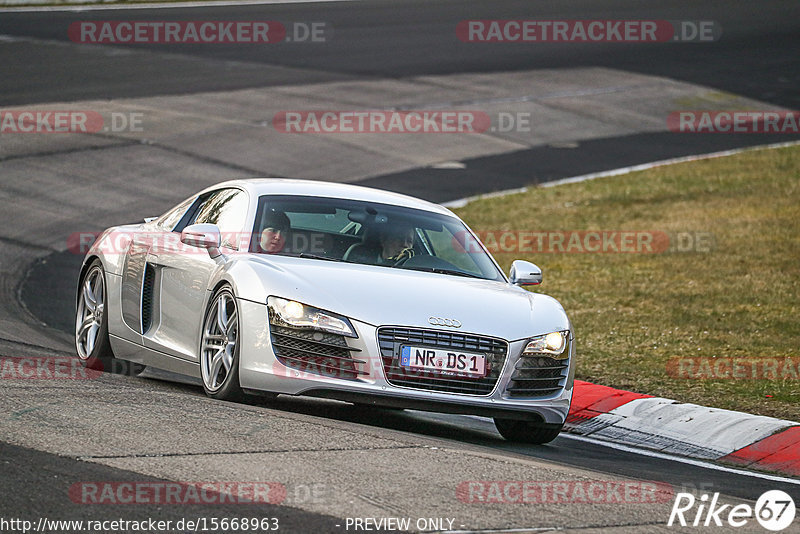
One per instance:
(487, 424)
(681, 459)
(503, 531)
(461, 202)
(160, 5)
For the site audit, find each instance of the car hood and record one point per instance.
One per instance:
(384, 296)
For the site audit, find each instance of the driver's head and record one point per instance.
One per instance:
(275, 230)
(396, 239)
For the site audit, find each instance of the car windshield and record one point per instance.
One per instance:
(369, 233)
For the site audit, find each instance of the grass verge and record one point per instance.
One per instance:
(726, 290)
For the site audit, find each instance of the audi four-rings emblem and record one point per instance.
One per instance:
(441, 321)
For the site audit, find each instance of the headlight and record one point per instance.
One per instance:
(553, 344)
(283, 312)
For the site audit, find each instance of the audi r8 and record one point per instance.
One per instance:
(276, 286)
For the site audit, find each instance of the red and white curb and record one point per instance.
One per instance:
(682, 429)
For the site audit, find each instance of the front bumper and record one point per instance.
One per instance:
(260, 370)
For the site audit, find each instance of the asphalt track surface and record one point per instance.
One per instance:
(757, 57)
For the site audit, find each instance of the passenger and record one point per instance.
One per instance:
(276, 228)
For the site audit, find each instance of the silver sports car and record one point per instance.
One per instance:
(271, 286)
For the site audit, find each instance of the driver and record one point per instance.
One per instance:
(276, 227)
(396, 244)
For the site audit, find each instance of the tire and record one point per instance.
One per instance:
(527, 432)
(91, 325)
(220, 347)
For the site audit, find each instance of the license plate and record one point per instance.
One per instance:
(446, 361)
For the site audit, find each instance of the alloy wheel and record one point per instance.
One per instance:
(220, 336)
(91, 307)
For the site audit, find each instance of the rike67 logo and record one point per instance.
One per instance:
(774, 510)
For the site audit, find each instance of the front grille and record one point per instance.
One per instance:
(392, 339)
(538, 376)
(147, 297)
(315, 352)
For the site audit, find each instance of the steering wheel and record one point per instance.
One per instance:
(404, 255)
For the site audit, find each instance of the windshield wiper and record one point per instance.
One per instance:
(439, 270)
(316, 257)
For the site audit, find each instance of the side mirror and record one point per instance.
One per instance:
(205, 236)
(525, 273)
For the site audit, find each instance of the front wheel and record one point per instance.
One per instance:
(526, 431)
(219, 347)
(91, 326)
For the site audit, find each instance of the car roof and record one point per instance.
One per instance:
(287, 186)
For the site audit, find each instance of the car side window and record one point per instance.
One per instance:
(170, 219)
(227, 208)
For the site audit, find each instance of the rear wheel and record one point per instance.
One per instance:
(219, 347)
(526, 431)
(91, 326)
